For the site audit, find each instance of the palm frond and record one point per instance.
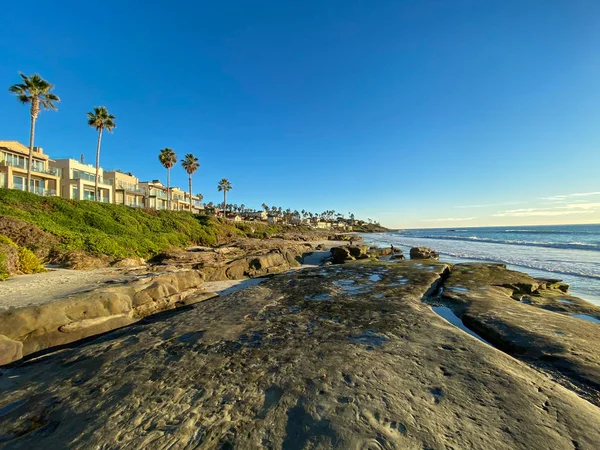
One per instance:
(35, 87)
(101, 119)
(167, 157)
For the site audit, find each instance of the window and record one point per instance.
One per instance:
(75, 193)
(18, 183)
(88, 194)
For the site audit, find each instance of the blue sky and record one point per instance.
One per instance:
(413, 113)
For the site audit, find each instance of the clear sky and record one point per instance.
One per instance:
(414, 113)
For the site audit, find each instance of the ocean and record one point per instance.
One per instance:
(567, 252)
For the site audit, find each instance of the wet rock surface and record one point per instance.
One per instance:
(346, 357)
(532, 319)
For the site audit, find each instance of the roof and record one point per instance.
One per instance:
(17, 147)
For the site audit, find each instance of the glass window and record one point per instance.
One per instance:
(18, 183)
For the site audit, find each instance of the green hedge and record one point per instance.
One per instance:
(114, 230)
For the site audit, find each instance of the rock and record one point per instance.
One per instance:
(510, 310)
(89, 313)
(553, 284)
(251, 258)
(380, 251)
(348, 359)
(358, 252)
(423, 253)
(10, 350)
(340, 255)
(129, 263)
(397, 256)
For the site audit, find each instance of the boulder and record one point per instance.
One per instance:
(358, 251)
(397, 256)
(341, 254)
(423, 253)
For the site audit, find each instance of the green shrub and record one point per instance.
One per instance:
(7, 250)
(120, 231)
(28, 262)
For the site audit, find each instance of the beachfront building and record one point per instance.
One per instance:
(78, 181)
(127, 189)
(179, 200)
(322, 225)
(157, 194)
(234, 217)
(255, 215)
(14, 161)
(197, 205)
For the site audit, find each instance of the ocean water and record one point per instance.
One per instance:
(567, 252)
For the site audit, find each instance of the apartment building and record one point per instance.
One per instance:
(78, 181)
(156, 194)
(14, 159)
(127, 189)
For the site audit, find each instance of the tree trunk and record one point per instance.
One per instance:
(96, 189)
(224, 203)
(169, 188)
(34, 112)
(190, 193)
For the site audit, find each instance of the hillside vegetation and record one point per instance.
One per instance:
(115, 231)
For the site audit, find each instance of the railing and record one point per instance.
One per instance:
(38, 191)
(78, 175)
(131, 188)
(135, 205)
(35, 168)
(44, 192)
(157, 193)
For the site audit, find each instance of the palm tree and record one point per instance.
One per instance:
(265, 207)
(100, 119)
(200, 197)
(224, 185)
(37, 91)
(242, 207)
(168, 158)
(190, 164)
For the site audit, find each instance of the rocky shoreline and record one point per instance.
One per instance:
(349, 355)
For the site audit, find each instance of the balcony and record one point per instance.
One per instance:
(44, 192)
(135, 205)
(37, 168)
(79, 175)
(158, 194)
(39, 191)
(131, 188)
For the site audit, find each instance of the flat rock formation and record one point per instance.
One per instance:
(76, 313)
(345, 357)
(532, 319)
